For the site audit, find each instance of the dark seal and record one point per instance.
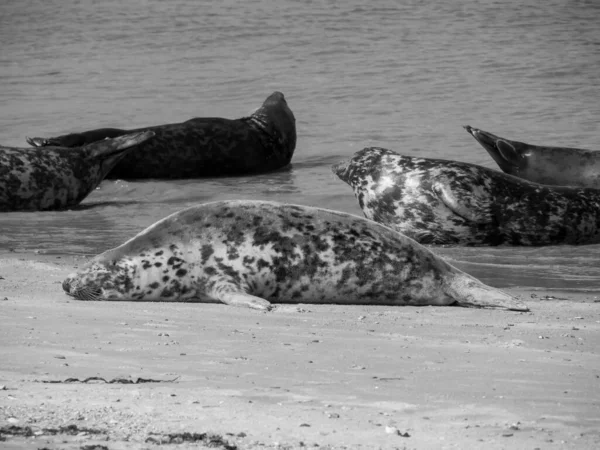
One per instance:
(555, 166)
(435, 201)
(37, 179)
(199, 147)
(252, 253)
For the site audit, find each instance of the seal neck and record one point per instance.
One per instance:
(259, 122)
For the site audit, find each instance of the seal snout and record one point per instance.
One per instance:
(66, 285)
(340, 168)
(74, 287)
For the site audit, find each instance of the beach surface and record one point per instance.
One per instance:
(128, 375)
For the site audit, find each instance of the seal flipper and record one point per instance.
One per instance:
(503, 151)
(231, 294)
(80, 139)
(469, 204)
(68, 140)
(508, 152)
(108, 147)
(485, 138)
(37, 141)
(472, 293)
(245, 300)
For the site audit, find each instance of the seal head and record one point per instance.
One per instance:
(277, 121)
(108, 282)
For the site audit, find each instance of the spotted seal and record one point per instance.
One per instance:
(435, 201)
(200, 147)
(35, 179)
(251, 253)
(556, 166)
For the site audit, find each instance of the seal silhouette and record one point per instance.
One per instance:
(35, 179)
(204, 146)
(436, 201)
(252, 253)
(557, 166)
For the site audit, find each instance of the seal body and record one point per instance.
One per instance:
(200, 147)
(436, 201)
(36, 179)
(251, 253)
(555, 166)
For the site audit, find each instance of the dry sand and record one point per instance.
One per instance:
(323, 376)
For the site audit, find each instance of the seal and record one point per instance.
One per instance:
(555, 166)
(252, 253)
(436, 201)
(263, 142)
(35, 179)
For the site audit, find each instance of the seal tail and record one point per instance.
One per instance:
(469, 292)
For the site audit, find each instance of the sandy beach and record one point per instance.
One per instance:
(136, 375)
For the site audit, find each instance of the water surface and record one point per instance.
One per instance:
(402, 75)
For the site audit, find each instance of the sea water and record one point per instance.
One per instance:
(405, 75)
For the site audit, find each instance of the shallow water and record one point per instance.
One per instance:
(402, 75)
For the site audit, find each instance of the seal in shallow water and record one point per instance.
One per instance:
(35, 179)
(251, 253)
(262, 142)
(556, 166)
(435, 201)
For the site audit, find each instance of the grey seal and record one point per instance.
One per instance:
(38, 179)
(252, 253)
(437, 201)
(203, 146)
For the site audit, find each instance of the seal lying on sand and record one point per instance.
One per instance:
(33, 179)
(435, 201)
(263, 142)
(555, 166)
(248, 253)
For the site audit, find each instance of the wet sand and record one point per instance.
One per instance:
(325, 376)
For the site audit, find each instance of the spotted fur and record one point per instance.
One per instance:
(251, 253)
(436, 201)
(555, 166)
(33, 179)
(262, 142)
